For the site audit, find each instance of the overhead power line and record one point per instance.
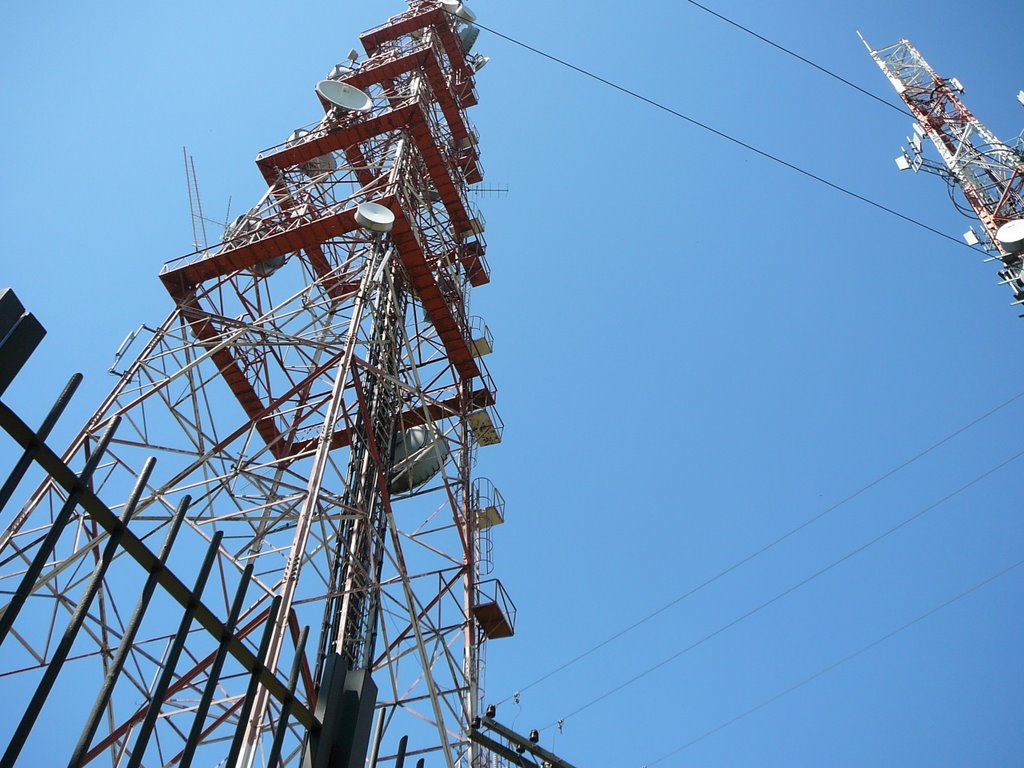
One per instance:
(789, 590)
(772, 544)
(722, 134)
(849, 657)
(797, 56)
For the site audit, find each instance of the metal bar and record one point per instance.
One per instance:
(157, 697)
(127, 640)
(18, 473)
(307, 676)
(403, 744)
(138, 550)
(60, 654)
(310, 507)
(21, 594)
(215, 668)
(498, 748)
(521, 741)
(184, 681)
(254, 682)
(286, 706)
(217, 722)
(425, 661)
(378, 734)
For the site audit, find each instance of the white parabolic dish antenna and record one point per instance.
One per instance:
(1011, 236)
(459, 9)
(374, 217)
(344, 96)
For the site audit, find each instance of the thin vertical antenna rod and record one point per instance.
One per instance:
(199, 200)
(191, 206)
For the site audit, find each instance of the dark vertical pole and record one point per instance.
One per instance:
(403, 744)
(127, 640)
(60, 654)
(286, 705)
(160, 690)
(44, 431)
(254, 684)
(215, 668)
(28, 581)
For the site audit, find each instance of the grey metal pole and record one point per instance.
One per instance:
(286, 706)
(378, 734)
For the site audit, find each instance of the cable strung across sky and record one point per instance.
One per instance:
(836, 664)
(800, 58)
(772, 544)
(789, 590)
(723, 135)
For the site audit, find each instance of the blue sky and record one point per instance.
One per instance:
(696, 350)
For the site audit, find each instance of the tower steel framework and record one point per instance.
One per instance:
(988, 172)
(318, 392)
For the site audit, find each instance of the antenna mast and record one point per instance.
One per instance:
(989, 172)
(316, 400)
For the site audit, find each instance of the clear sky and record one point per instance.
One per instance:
(696, 350)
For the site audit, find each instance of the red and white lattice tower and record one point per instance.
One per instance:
(318, 389)
(988, 172)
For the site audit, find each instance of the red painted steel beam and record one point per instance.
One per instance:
(413, 417)
(182, 279)
(407, 23)
(346, 135)
(426, 59)
(236, 380)
(448, 327)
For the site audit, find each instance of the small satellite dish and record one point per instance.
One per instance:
(344, 97)
(375, 217)
(458, 9)
(479, 62)
(353, 55)
(1011, 236)
(339, 71)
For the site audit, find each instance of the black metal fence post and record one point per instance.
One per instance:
(171, 661)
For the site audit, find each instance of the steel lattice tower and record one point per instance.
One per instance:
(319, 393)
(989, 172)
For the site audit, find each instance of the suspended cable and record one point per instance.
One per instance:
(850, 657)
(727, 137)
(805, 60)
(771, 545)
(788, 591)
